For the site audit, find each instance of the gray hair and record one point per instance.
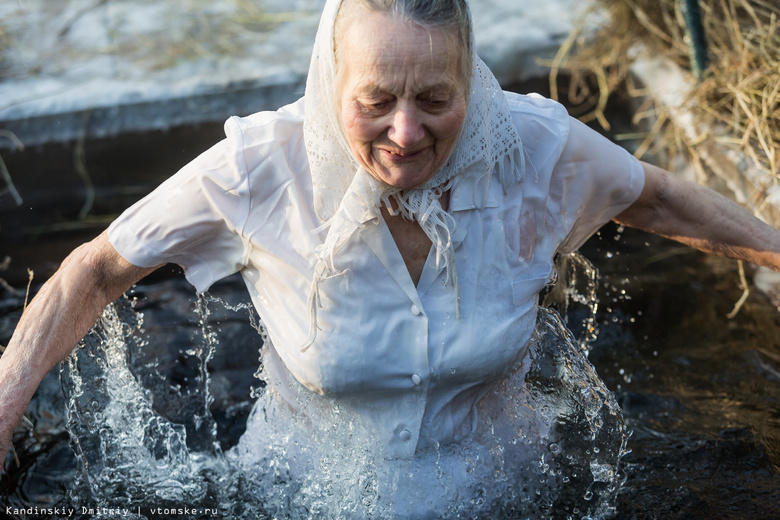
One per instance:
(452, 15)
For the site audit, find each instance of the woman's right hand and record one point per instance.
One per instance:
(61, 314)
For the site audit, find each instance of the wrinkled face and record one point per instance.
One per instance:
(402, 97)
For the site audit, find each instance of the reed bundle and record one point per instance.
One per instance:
(5, 44)
(737, 99)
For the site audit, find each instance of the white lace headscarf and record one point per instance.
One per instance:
(347, 198)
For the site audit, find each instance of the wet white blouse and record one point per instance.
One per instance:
(392, 351)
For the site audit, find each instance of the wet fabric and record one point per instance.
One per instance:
(392, 352)
(346, 196)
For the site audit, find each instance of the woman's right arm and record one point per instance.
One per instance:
(62, 313)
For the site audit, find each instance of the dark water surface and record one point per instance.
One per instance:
(701, 392)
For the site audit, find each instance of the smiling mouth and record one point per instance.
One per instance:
(397, 154)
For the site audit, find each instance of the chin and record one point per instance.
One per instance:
(404, 183)
(402, 180)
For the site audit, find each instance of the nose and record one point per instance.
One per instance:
(406, 128)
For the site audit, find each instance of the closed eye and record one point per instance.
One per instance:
(434, 102)
(375, 106)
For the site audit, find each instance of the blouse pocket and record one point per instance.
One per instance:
(527, 285)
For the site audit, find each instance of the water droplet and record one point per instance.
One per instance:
(588, 495)
(555, 448)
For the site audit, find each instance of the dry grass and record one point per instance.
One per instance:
(205, 35)
(739, 97)
(5, 43)
(5, 175)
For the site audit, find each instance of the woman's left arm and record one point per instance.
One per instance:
(697, 216)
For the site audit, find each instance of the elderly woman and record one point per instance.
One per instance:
(394, 228)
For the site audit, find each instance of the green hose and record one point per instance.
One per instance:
(695, 31)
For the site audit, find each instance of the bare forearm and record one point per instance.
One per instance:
(702, 218)
(55, 321)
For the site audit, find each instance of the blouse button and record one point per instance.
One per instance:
(416, 379)
(405, 435)
(416, 310)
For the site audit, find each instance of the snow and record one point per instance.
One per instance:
(135, 65)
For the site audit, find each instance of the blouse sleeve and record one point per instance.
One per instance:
(593, 181)
(194, 219)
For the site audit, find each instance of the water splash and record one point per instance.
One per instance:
(587, 422)
(131, 456)
(574, 296)
(550, 449)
